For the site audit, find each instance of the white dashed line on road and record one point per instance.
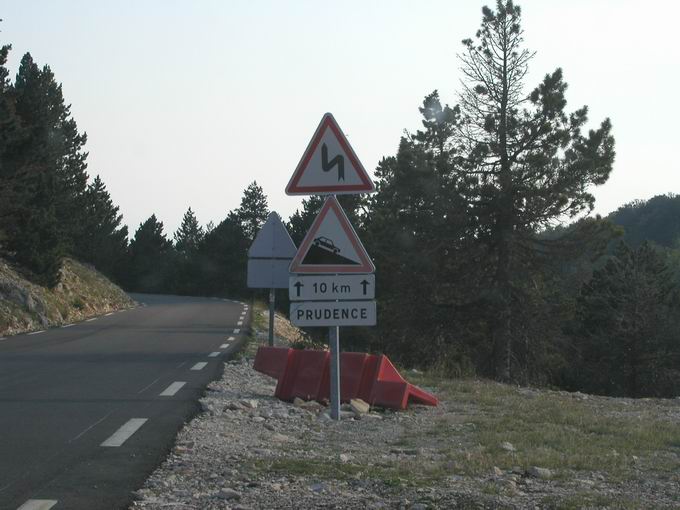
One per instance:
(2, 338)
(223, 346)
(239, 323)
(199, 366)
(181, 364)
(214, 354)
(123, 434)
(231, 338)
(172, 389)
(38, 504)
(237, 331)
(37, 333)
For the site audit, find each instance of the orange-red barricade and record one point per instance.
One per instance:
(306, 374)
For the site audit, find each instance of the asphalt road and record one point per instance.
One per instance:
(88, 411)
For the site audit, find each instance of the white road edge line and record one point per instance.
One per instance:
(123, 434)
(2, 338)
(36, 333)
(92, 426)
(68, 325)
(38, 504)
(237, 331)
(90, 320)
(107, 314)
(172, 389)
(148, 385)
(214, 354)
(199, 366)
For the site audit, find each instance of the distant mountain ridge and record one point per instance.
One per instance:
(656, 220)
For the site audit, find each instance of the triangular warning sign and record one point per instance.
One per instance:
(331, 245)
(329, 165)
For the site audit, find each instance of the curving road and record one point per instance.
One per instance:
(88, 411)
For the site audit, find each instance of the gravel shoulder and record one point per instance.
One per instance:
(486, 446)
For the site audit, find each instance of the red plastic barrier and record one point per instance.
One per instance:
(372, 378)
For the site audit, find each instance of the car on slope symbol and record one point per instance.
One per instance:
(326, 244)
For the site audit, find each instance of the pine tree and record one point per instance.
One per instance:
(102, 239)
(151, 255)
(188, 239)
(629, 321)
(253, 211)
(522, 162)
(189, 235)
(49, 162)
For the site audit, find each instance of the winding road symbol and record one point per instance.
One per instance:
(338, 161)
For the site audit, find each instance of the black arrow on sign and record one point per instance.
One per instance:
(298, 286)
(327, 166)
(365, 284)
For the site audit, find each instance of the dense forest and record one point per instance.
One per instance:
(488, 260)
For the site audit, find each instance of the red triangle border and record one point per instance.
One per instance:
(329, 122)
(366, 265)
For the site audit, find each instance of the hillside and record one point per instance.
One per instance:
(82, 292)
(656, 220)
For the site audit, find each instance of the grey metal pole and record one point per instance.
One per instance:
(334, 340)
(272, 298)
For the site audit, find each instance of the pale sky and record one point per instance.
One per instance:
(187, 102)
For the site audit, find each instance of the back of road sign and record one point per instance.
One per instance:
(329, 165)
(269, 256)
(272, 241)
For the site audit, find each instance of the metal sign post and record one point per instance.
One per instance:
(334, 341)
(272, 298)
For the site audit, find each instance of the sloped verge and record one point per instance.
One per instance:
(82, 292)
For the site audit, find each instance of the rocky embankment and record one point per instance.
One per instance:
(487, 445)
(81, 292)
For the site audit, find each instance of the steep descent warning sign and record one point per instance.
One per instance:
(329, 165)
(331, 245)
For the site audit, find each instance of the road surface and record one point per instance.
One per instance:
(87, 411)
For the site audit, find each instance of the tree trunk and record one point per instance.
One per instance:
(502, 337)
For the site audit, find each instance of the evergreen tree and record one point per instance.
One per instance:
(49, 163)
(628, 327)
(151, 256)
(102, 240)
(188, 239)
(253, 211)
(223, 259)
(189, 235)
(522, 161)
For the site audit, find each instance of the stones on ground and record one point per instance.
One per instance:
(248, 403)
(508, 447)
(497, 471)
(539, 472)
(359, 406)
(229, 494)
(345, 458)
(233, 406)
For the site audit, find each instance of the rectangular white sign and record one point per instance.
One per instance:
(331, 287)
(333, 313)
